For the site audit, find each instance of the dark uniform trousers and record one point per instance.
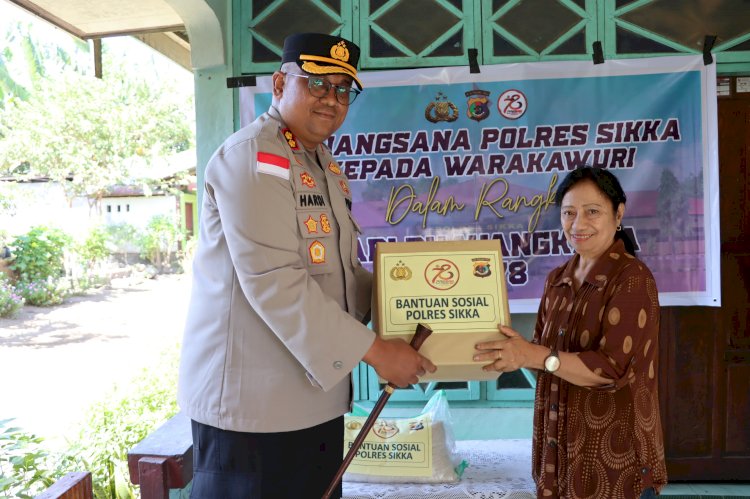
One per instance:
(288, 465)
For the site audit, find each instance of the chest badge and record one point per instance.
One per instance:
(307, 180)
(325, 224)
(311, 224)
(344, 187)
(334, 168)
(317, 252)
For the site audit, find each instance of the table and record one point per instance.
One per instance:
(498, 469)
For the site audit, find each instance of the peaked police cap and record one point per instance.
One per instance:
(321, 54)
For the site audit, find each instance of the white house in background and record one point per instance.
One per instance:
(136, 209)
(41, 202)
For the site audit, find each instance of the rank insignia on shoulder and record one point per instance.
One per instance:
(307, 180)
(317, 252)
(344, 187)
(311, 224)
(290, 139)
(334, 168)
(272, 164)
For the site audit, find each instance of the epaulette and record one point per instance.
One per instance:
(290, 139)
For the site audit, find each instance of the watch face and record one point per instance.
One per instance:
(551, 363)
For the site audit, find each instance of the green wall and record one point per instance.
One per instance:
(252, 33)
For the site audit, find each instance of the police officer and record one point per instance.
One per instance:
(278, 294)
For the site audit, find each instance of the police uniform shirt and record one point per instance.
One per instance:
(273, 329)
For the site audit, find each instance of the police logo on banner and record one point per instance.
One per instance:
(478, 104)
(441, 109)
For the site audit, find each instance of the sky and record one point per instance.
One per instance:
(144, 61)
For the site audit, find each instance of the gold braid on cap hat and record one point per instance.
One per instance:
(336, 64)
(348, 67)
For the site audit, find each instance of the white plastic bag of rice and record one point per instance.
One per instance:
(406, 450)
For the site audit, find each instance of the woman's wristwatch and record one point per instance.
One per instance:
(552, 362)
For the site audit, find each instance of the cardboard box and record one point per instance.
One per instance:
(457, 288)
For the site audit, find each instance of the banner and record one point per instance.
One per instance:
(444, 154)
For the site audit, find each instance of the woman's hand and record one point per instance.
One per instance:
(506, 355)
(514, 352)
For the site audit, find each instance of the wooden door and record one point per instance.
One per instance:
(705, 351)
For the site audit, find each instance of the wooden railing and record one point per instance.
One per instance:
(163, 460)
(75, 485)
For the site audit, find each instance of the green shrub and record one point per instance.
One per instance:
(120, 234)
(158, 239)
(23, 463)
(10, 301)
(43, 293)
(113, 426)
(118, 423)
(95, 248)
(39, 254)
(81, 284)
(86, 268)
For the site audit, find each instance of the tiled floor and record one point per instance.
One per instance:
(707, 490)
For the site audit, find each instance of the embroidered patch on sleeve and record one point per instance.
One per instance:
(272, 164)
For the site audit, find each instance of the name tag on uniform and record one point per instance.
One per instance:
(311, 200)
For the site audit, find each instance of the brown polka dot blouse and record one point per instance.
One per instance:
(604, 442)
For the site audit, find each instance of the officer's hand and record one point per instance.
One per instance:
(397, 362)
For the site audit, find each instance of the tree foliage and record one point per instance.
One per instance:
(29, 55)
(86, 133)
(58, 121)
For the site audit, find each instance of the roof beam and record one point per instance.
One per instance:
(169, 45)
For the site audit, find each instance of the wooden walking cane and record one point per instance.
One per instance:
(420, 335)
